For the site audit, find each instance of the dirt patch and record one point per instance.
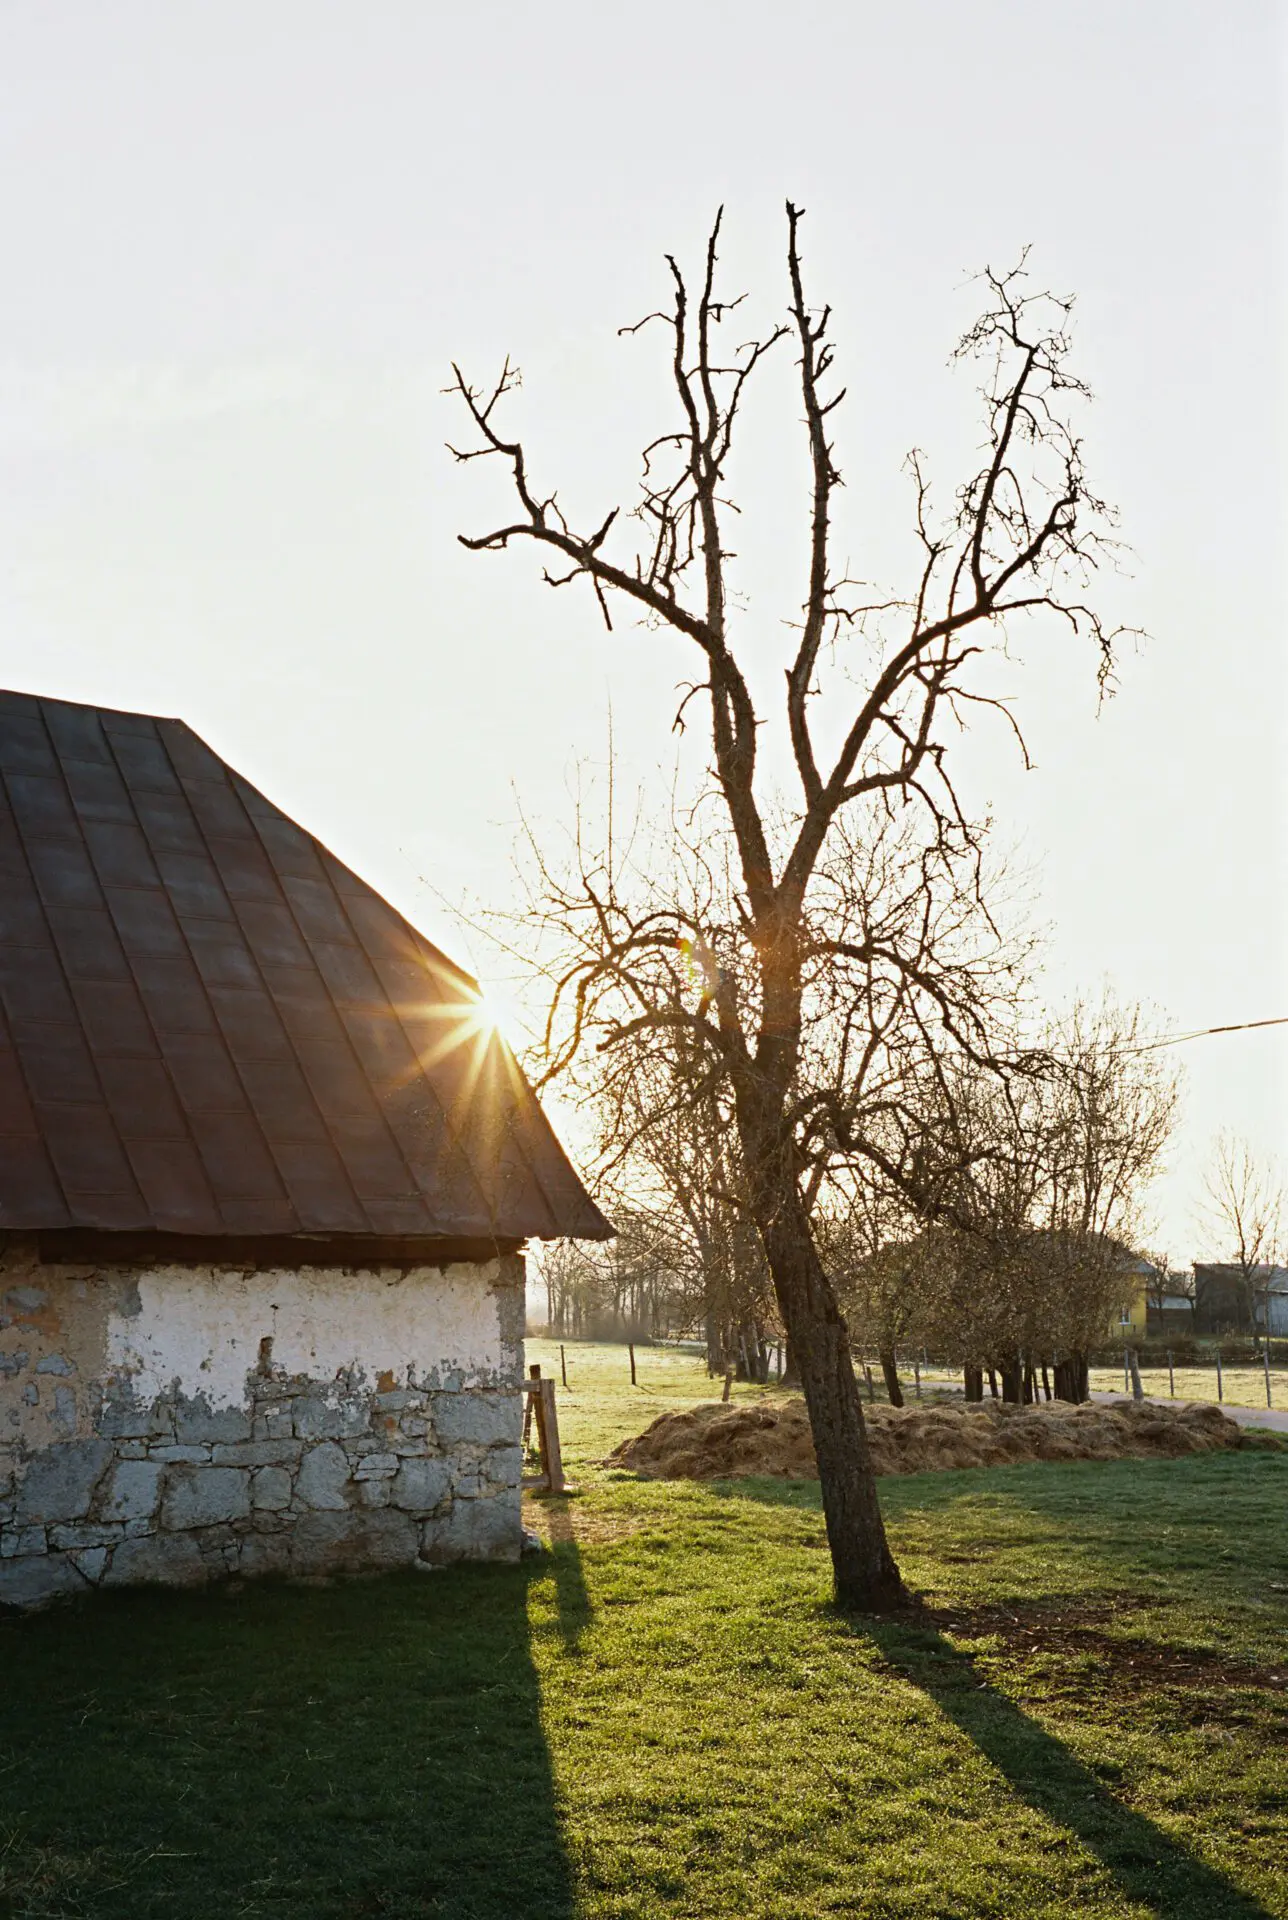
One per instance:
(728, 1443)
(1078, 1631)
(1081, 1654)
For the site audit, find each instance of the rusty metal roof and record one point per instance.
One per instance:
(210, 1027)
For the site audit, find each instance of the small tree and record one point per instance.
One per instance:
(1024, 536)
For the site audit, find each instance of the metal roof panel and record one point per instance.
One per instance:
(219, 1029)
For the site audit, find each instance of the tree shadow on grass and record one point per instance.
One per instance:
(1146, 1863)
(368, 1749)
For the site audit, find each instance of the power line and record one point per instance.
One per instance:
(1202, 1033)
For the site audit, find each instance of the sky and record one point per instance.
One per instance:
(242, 244)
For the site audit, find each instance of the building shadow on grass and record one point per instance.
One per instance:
(1147, 1865)
(369, 1749)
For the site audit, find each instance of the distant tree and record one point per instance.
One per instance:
(779, 985)
(1243, 1214)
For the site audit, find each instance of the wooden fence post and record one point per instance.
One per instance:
(1220, 1390)
(1137, 1391)
(563, 1366)
(1265, 1354)
(1171, 1375)
(551, 1450)
(630, 1348)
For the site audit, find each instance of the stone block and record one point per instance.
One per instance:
(318, 1419)
(124, 1421)
(276, 1424)
(359, 1541)
(482, 1419)
(12, 1364)
(55, 1363)
(203, 1496)
(60, 1482)
(376, 1466)
(420, 1484)
(16, 1541)
(35, 1582)
(374, 1493)
(91, 1561)
(258, 1453)
(131, 1490)
(84, 1536)
(271, 1489)
(198, 1424)
(265, 1554)
(168, 1451)
(26, 1300)
(323, 1477)
(475, 1530)
(157, 1560)
(504, 1466)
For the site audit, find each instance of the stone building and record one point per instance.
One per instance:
(266, 1173)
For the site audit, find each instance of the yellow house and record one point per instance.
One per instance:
(1129, 1322)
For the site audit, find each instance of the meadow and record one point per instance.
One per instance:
(662, 1714)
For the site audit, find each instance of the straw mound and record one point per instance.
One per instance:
(725, 1443)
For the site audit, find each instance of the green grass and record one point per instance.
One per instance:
(663, 1716)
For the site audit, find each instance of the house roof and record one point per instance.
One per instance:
(209, 1026)
(1268, 1277)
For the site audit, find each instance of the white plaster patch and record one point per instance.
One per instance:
(201, 1327)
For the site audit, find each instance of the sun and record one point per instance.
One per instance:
(496, 1013)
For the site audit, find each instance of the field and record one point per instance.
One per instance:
(663, 1716)
(1241, 1386)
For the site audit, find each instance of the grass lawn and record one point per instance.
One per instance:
(663, 1716)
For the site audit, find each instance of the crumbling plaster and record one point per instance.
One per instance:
(177, 1422)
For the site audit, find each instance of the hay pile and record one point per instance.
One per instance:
(726, 1443)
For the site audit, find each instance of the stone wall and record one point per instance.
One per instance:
(175, 1425)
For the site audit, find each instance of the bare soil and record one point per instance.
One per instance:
(733, 1442)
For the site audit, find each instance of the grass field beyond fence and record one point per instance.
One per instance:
(663, 1715)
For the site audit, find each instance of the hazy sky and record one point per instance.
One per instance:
(242, 242)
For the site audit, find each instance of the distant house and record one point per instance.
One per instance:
(1230, 1299)
(266, 1172)
(1131, 1320)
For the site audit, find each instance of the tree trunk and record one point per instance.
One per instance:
(890, 1369)
(865, 1577)
(1012, 1380)
(1071, 1379)
(973, 1382)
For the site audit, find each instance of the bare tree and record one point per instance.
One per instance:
(1243, 1210)
(1025, 536)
